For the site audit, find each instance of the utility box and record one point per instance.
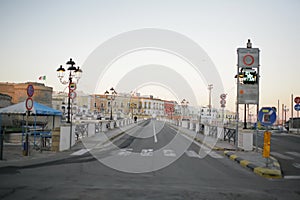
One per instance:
(245, 140)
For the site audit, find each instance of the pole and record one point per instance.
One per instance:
(210, 87)
(282, 110)
(297, 119)
(111, 109)
(1, 139)
(26, 136)
(291, 124)
(245, 116)
(69, 101)
(278, 118)
(71, 129)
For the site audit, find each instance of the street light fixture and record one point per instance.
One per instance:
(73, 73)
(111, 96)
(184, 104)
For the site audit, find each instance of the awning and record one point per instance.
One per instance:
(38, 109)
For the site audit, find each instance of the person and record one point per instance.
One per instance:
(135, 119)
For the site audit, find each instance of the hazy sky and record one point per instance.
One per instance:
(37, 36)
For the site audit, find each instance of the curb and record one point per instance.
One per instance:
(262, 171)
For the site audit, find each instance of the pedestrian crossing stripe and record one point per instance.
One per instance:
(192, 154)
(282, 156)
(150, 152)
(297, 154)
(80, 152)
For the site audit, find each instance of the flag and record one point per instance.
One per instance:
(42, 78)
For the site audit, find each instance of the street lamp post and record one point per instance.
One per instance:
(112, 94)
(285, 110)
(73, 73)
(184, 104)
(210, 87)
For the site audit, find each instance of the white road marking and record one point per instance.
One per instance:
(297, 165)
(279, 155)
(147, 152)
(169, 153)
(214, 154)
(297, 154)
(80, 152)
(291, 177)
(154, 132)
(192, 154)
(125, 152)
(197, 143)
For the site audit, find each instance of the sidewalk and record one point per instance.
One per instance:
(13, 156)
(252, 160)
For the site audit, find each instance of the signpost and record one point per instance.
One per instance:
(247, 79)
(30, 90)
(29, 103)
(297, 108)
(223, 103)
(29, 106)
(267, 117)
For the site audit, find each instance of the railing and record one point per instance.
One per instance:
(229, 134)
(81, 130)
(213, 131)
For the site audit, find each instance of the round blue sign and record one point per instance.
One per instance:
(267, 116)
(297, 107)
(30, 90)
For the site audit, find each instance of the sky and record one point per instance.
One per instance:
(37, 36)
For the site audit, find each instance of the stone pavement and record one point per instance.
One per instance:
(252, 160)
(13, 154)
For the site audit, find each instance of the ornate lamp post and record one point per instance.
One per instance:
(184, 104)
(111, 96)
(74, 73)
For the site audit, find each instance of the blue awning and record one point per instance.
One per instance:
(38, 109)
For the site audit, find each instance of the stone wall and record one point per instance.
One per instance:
(5, 100)
(18, 92)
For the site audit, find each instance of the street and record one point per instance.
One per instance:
(285, 147)
(151, 161)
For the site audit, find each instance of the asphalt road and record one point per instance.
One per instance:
(151, 161)
(286, 149)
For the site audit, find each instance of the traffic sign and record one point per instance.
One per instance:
(72, 95)
(297, 100)
(30, 90)
(267, 116)
(297, 107)
(223, 101)
(223, 96)
(248, 60)
(29, 103)
(72, 86)
(248, 57)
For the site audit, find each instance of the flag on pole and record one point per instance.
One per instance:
(42, 78)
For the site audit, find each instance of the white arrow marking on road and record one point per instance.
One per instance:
(169, 153)
(297, 165)
(125, 152)
(147, 152)
(154, 133)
